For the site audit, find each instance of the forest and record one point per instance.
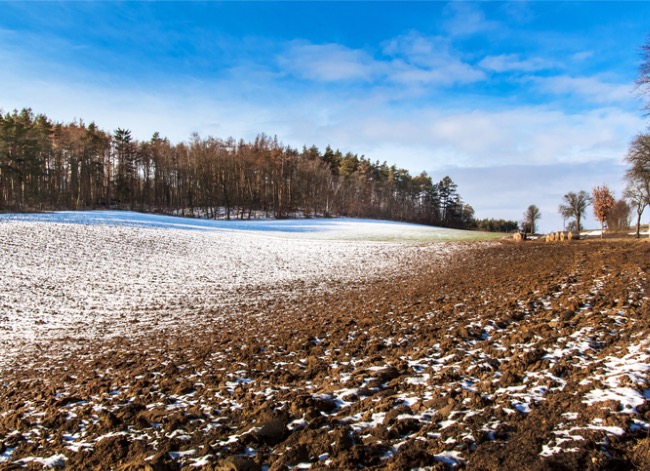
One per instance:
(45, 165)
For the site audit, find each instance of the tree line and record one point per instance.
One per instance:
(45, 165)
(611, 213)
(637, 191)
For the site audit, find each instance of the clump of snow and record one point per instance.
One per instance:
(631, 369)
(54, 461)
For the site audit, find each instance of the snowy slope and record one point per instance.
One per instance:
(343, 228)
(106, 273)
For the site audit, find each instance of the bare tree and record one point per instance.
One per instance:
(575, 206)
(638, 175)
(643, 80)
(619, 216)
(603, 204)
(638, 194)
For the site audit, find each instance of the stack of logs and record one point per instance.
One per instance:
(561, 236)
(552, 237)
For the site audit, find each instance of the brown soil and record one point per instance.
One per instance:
(487, 363)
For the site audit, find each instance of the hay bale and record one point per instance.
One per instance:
(562, 236)
(569, 236)
(517, 236)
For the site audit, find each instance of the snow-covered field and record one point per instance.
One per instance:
(320, 229)
(106, 273)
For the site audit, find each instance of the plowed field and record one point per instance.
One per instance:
(487, 356)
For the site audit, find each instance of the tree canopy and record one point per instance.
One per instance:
(575, 206)
(619, 217)
(637, 191)
(531, 216)
(46, 166)
(603, 203)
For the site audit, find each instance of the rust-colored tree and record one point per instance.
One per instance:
(603, 203)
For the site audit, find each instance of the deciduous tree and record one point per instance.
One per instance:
(637, 193)
(531, 216)
(575, 206)
(619, 216)
(603, 204)
(638, 176)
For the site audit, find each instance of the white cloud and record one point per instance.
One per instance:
(444, 74)
(411, 59)
(420, 59)
(594, 89)
(582, 56)
(535, 135)
(513, 63)
(466, 19)
(328, 62)
(520, 12)
(420, 50)
(538, 135)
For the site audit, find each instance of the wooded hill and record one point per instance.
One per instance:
(53, 166)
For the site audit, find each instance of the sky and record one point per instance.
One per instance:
(518, 102)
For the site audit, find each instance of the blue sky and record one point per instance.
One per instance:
(519, 102)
